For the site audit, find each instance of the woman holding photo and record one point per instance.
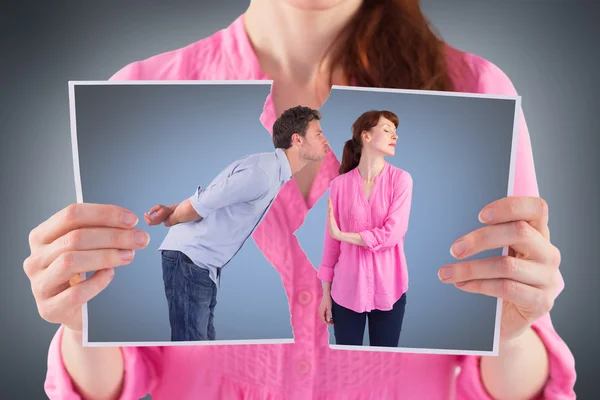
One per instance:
(364, 266)
(304, 47)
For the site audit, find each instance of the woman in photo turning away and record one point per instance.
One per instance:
(364, 267)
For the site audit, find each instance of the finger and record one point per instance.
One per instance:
(92, 239)
(519, 235)
(78, 216)
(160, 214)
(516, 269)
(151, 219)
(57, 277)
(55, 308)
(154, 209)
(531, 209)
(534, 300)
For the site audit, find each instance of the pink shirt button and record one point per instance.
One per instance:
(304, 297)
(303, 367)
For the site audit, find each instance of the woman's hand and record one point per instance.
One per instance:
(336, 234)
(325, 309)
(80, 238)
(334, 230)
(527, 279)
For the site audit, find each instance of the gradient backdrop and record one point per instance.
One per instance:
(548, 49)
(458, 151)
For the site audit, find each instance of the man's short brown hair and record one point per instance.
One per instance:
(292, 120)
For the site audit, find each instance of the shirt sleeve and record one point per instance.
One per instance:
(247, 183)
(142, 366)
(561, 382)
(331, 247)
(396, 222)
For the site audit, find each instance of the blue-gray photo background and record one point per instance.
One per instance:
(458, 151)
(142, 145)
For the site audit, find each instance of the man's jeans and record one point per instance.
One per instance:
(191, 296)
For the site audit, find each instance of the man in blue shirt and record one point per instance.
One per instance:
(210, 227)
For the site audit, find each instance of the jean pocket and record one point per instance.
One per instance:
(170, 264)
(196, 275)
(170, 255)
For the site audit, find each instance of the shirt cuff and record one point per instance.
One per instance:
(325, 273)
(561, 381)
(370, 241)
(196, 202)
(58, 384)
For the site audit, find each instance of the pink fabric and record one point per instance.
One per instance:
(307, 369)
(375, 276)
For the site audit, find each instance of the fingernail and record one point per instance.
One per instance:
(460, 283)
(141, 238)
(126, 255)
(486, 215)
(445, 273)
(129, 218)
(458, 248)
(110, 272)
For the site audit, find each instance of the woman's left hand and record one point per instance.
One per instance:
(334, 230)
(527, 279)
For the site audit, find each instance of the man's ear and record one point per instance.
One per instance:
(296, 138)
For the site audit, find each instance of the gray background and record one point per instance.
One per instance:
(547, 48)
(140, 145)
(457, 150)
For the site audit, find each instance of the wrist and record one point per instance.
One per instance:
(72, 336)
(517, 342)
(170, 220)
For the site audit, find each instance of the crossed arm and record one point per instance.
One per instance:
(394, 227)
(376, 239)
(245, 184)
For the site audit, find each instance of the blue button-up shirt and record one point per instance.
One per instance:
(231, 207)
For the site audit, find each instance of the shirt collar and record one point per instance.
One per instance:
(285, 170)
(383, 171)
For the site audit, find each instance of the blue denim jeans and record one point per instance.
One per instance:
(384, 326)
(191, 296)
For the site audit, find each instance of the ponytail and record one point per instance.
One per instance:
(351, 155)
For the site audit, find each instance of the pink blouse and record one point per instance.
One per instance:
(375, 276)
(308, 368)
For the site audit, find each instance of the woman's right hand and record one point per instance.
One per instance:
(325, 309)
(80, 238)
